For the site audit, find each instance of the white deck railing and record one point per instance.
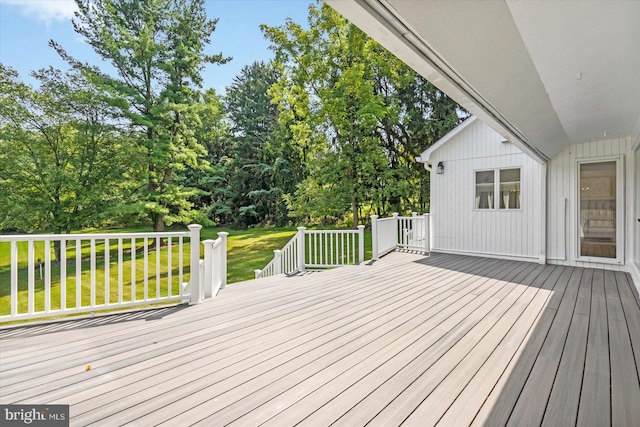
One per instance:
(404, 232)
(286, 260)
(316, 249)
(59, 274)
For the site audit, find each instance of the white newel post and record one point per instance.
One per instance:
(360, 244)
(208, 268)
(396, 227)
(194, 267)
(276, 262)
(257, 273)
(427, 236)
(223, 259)
(301, 249)
(374, 237)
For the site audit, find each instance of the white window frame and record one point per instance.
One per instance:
(496, 189)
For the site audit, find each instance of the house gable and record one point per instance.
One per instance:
(458, 226)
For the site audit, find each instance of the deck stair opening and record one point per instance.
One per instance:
(316, 249)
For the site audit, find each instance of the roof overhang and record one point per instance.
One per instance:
(544, 75)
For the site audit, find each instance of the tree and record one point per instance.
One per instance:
(63, 163)
(156, 48)
(332, 63)
(363, 116)
(214, 134)
(259, 164)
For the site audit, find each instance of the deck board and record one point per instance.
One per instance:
(562, 407)
(351, 380)
(624, 384)
(595, 406)
(445, 339)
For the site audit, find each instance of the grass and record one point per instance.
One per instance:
(247, 251)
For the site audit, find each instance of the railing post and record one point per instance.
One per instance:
(257, 273)
(360, 244)
(427, 236)
(396, 227)
(301, 249)
(208, 268)
(276, 262)
(223, 259)
(194, 267)
(374, 237)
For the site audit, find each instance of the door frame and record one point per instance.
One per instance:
(620, 210)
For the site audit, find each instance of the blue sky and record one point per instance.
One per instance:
(26, 26)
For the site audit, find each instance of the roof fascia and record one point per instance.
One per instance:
(426, 154)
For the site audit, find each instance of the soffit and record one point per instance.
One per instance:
(515, 64)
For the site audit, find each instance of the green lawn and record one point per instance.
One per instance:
(247, 250)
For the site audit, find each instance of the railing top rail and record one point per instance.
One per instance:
(214, 243)
(331, 231)
(89, 236)
(290, 243)
(388, 219)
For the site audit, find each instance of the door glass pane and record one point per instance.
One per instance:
(510, 189)
(485, 189)
(598, 210)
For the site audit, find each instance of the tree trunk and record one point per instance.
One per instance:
(356, 219)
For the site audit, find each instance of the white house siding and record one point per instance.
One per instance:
(562, 240)
(636, 216)
(457, 226)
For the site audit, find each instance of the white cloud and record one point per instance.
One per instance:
(45, 10)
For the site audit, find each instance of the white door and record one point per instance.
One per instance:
(600, 211)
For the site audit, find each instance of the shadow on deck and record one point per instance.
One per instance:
(411, 340)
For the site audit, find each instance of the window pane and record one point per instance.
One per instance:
(598, 210)
(485, 189)
(510, 189)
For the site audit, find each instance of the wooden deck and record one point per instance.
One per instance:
(408, 340)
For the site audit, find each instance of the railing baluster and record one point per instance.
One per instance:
(158, 247)
(145, 266)
(180, 264)
(92, 245)
(169, 268)
(31, 277)
(47, 276)
(107, 278)
(323, 236)
(63, 274)
(78, 273)
(133, 269)
(120, 272)
(14, 278)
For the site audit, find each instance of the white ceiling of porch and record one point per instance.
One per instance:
(545, 74)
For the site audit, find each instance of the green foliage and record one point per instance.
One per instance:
(359, 115)
(64, 164)
(260, 170)
(327, 132)
(157, 49)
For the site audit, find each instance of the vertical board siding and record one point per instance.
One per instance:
(636, 224)
(562, 184)
(457, 226)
